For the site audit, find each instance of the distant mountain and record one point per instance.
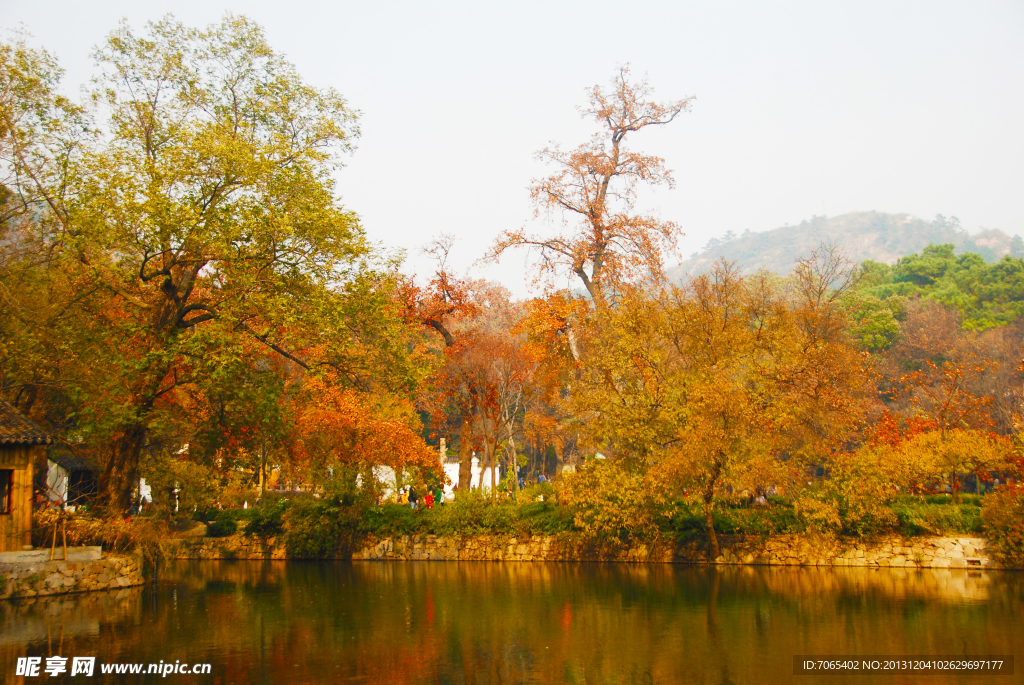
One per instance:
(861, 235)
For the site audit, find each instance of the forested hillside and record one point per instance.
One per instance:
(861, 236)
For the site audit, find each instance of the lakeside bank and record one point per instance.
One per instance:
(86, 570)
(32, 573)
(782, 550)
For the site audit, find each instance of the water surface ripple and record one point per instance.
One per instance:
(480, 622)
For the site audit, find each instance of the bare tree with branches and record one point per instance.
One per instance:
(594, 188)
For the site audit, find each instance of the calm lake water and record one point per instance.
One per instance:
(480, 622)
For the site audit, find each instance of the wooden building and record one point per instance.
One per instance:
(22, 443)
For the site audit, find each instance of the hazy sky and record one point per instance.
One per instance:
(802, 108)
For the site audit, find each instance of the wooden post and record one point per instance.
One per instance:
(26, 497)
(61, 523)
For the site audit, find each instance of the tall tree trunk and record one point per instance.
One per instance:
(514, 466)
(488, 466)
(709, 523)
(263, 472)
(709, 510)
(494, 472)
(465, 456)
(120, 474)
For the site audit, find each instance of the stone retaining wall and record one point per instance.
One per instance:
(236, 546)
(37, 579)
(782, 550)
(930, 552)
(933, 552)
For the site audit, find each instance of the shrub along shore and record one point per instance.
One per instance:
(329, 528)
(308, 528)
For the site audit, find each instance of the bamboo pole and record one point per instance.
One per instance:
(62, 524)
(53, 547)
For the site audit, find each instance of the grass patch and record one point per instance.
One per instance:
(686, 521)
(937, 515)
(471, 514)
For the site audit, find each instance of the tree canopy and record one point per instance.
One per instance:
(183, 230)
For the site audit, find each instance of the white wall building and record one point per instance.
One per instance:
(70, 480)
(478, 474)
(385, 475)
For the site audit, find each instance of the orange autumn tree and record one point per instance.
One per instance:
(446, 299)
(341, 427)
(548, 426)
(728, 380)
(442, 307)
(945, 429)
(486, 379)
(594, 188)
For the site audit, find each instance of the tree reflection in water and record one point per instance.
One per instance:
(479, 622)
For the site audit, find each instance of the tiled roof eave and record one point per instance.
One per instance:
(24, 441)
(17, 429)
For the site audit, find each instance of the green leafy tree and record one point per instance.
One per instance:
(873, 322)
(986, 295)
(197, 223)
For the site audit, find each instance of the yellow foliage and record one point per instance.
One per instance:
(612, 503)
(945, 456)
(854, 500)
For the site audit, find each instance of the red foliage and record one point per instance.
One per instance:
(344, 425)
